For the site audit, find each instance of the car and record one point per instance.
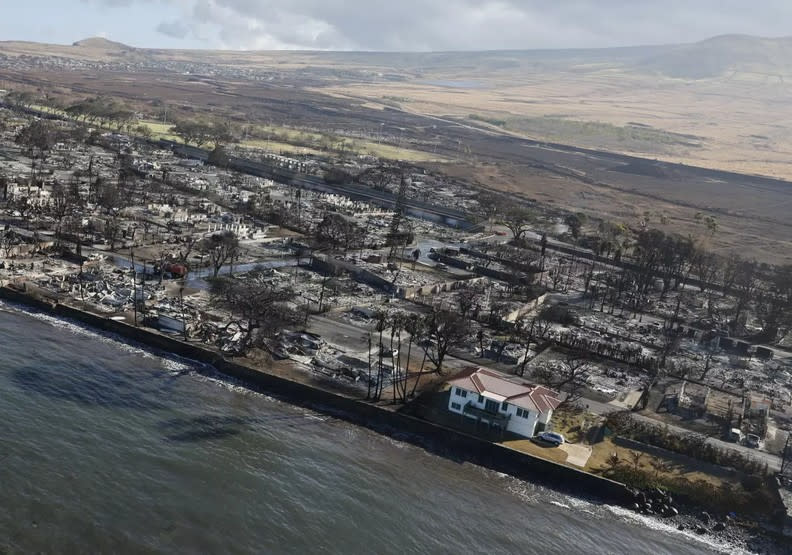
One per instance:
(752, 440)
(552, 437)
(735, 435)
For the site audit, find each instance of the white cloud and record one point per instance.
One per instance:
(465, 24)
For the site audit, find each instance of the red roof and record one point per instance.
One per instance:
(507, 388)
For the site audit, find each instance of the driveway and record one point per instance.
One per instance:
(577, 454)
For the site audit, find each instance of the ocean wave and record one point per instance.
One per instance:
(170, 362)
(208, 374)
(655, 524)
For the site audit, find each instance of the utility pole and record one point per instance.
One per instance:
(181, 302)
(394, 233)
(134, 284)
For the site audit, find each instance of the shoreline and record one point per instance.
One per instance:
(436, 439)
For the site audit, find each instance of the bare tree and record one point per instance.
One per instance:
(112, 229)
(61, 204)
(259, 306)
(186, 246)
(444, 331)
(469, 302)
(528, 330)
(221, 247)
(570, 376)
(709, 354)
(746, 280)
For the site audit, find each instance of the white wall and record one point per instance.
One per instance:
(517, 424)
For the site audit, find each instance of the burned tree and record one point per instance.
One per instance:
(746, 280)
(221, 248)
(337, 233)
(569, 375)
(443, 330)
(774, 304)
(258, 305)
(527, 331)
(469, 303)
(37, 139)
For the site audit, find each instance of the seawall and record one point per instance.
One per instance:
(437, 439)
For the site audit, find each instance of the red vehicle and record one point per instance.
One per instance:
(178, 270)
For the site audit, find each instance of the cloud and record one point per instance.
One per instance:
(464, 24)
(173, 29)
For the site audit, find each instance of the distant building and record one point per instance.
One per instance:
(500, 401)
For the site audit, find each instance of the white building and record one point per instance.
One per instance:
(500, 401)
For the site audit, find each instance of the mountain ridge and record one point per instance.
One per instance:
(713, 57)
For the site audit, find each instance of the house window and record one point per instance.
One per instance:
(526, 414)
(481, 399)
(519, 412)
(461, 392)
(504, 406)
(456, 406)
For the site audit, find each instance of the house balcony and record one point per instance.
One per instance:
(481, 415)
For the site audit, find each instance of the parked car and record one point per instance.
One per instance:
(735, 435)
(552, 437)
(752, 440)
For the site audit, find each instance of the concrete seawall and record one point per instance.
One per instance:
(437, 439)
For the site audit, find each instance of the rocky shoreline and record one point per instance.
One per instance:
(724, 530)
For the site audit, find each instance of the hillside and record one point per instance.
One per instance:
(710, 58)
(722, 55)
(99, 43)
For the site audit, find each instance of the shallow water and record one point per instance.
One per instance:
(108, 447)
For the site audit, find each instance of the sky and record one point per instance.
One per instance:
(401, 25)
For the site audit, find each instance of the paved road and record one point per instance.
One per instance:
(773, 461)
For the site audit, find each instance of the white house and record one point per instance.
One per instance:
(500, 401)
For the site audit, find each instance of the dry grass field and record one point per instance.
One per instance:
(740, 123)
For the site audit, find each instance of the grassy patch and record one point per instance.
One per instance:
(545, 452)
(594, 134)
(497, 122)
(573, 423)
(601, 134)
(702, 483)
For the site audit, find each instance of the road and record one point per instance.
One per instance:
(773, 461)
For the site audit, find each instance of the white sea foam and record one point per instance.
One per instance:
(655, 524)
(173, 363)
(212, 376)
(533, 493)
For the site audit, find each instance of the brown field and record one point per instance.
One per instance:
(742, 123)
